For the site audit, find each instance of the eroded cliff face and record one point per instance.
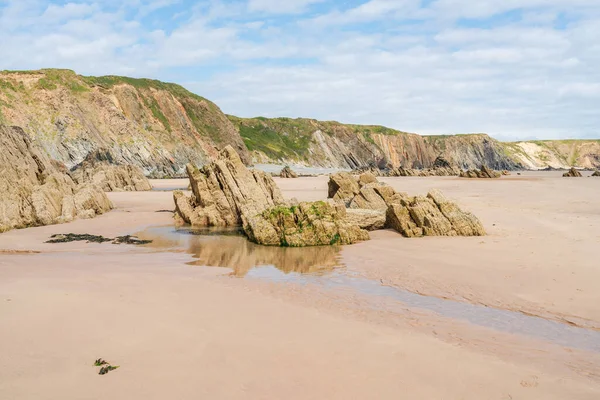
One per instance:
(331, 144)
(560, 154)
(157, 126)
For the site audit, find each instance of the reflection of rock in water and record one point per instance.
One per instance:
(241, 255)
(226, 247)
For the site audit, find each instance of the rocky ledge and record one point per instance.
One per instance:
(98, 168)
(34, 191)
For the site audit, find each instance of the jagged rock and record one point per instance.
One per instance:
(572, 173)
(596, 173)
(369, 220)
(484, 172)
(225, 193)
(433, 215)
(369, 198)
(98, 169)
(287, 172)
(505, 173)
(365, 178)
(33, 191)
(342, 187)
(308, 224)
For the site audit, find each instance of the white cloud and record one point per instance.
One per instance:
(381, 61)
(281, 6)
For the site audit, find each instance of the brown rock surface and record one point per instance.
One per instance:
(342, 187)
(433, 215)
(596, 173)
(98, 169)
(369, 220)
(572, 173)
(225, 192)
(316, 223)
(33, 191)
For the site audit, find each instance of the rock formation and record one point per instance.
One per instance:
(316, 223)
(596, 173)
(97, 169)
(287, 172)
(483, 173)
(226, 193)
(33, 191)
(416, 216)
(572, 173)
(433, 215)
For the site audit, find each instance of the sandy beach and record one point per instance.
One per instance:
(312, 323)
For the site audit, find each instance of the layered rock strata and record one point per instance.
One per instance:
(98, 169)
(34, 191)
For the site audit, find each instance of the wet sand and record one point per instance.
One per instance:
(180, 330)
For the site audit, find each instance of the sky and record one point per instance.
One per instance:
(516, 69)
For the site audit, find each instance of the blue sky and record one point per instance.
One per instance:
(517, 69)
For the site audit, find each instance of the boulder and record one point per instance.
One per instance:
(369, 220)
(287, 172)
(225, 192)
(97, 168)
(483, 173)
(35, 191)
(368, 197)
(365, 178)
(342, 187)
(307, 224)
(596, 173)
(572, 173)
(433, 215)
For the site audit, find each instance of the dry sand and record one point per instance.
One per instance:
(189, 332)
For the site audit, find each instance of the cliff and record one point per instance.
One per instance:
(157, 126)
(332, 144)
(160, 127)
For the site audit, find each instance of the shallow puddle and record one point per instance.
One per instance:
(321, 266)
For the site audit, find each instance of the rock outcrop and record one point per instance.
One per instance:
(414, 216)
(97, 169)
(572, 173)
(433, 215)
(596, 173)
(316, 223)
(287, 172)
(33, 191)
(226, 193)
(483, 173)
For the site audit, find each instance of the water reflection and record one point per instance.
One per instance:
(228, 248)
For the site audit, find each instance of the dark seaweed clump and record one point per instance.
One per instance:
(128, 239)
(106, 367)
(75, 237)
